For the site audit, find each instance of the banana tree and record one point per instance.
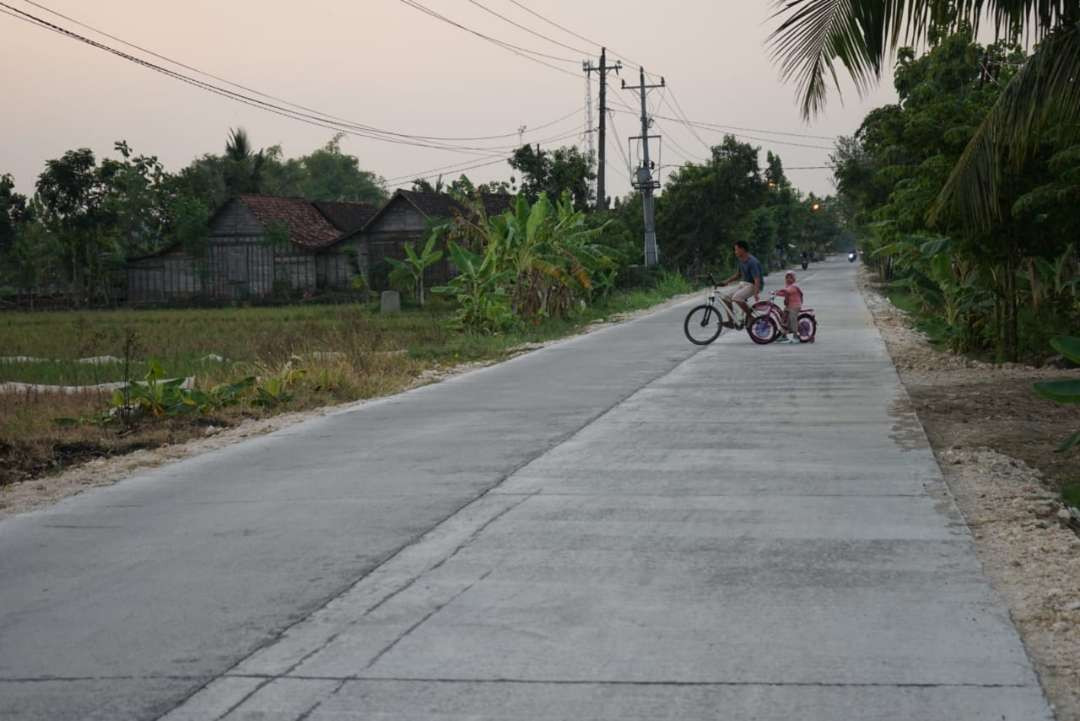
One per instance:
(1064, 391)
(411, 270)
(550, 253)
(479, 290)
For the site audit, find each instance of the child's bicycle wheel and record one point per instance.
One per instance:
(807, 328)
(703, 325)
(763, 329)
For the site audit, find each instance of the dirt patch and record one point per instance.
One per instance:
(994, 440)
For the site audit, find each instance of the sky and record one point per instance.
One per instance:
(384, 63)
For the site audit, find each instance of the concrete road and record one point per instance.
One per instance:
(617, 527)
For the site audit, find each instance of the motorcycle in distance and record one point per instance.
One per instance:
(851, 256)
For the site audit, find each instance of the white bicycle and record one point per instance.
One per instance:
(705, 322)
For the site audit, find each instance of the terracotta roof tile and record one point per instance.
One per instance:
(307, 227)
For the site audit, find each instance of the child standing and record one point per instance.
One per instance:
(793, 299)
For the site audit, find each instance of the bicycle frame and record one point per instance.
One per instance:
(724, 304)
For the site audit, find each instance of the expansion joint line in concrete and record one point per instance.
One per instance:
(594, 682)
(418, 537)
(389, 647)
(342, 680)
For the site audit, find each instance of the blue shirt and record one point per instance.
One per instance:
(750, 269)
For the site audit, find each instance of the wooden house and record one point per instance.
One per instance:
(407, 218)
(258, 246)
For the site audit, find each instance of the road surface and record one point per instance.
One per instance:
(620, 526)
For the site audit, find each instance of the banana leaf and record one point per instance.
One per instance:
(1069, 443)
(1060, 391)
(1068, 346)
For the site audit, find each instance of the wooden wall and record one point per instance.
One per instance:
(240, 263)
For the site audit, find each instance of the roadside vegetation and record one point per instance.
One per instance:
(547, 268)
(244, 363)
(963, 194)
(1001, 292)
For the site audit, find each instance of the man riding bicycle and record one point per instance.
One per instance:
(750, 277)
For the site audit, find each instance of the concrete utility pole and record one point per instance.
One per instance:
(645, 182)
(601, 160)
(588, 117)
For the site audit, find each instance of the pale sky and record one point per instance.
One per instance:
(385, 64)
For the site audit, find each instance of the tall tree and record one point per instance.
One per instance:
(71, 195)
(13, 211)
(554, 172)
(706, 208)
(243, 166)
(814, 36)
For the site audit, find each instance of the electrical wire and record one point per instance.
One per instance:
(308, 118)
(677, 109)
(438, 172)
(571, 32)
(456, 167)
(740, 135)
(350, 123)
(529, 30)
(533, 55)
(619, 144)
(687, 155)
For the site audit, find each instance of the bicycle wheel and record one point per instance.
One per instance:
(702, 325)
(807, 328)
(763, 330)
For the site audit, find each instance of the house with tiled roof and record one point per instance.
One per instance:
(258, 246)
(407, 217)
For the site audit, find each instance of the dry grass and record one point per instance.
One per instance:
(346, 353)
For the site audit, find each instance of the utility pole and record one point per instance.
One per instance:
(588, 117)
(601, 160)
(645, 182)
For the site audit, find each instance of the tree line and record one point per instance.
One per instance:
(1001, 288)
(87, 216)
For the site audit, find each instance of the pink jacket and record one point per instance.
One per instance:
(792, 294)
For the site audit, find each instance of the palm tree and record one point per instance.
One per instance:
(861, 35)
(244, 168)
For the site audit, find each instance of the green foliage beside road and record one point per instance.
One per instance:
(1001, 291)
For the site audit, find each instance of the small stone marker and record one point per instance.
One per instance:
(391, 301)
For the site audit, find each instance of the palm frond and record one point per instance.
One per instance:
(861, 35)
(1043, 91)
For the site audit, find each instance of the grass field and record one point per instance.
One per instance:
(347, 352)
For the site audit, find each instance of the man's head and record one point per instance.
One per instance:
(742, 250)
(789, 278)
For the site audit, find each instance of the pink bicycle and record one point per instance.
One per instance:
(807, 330)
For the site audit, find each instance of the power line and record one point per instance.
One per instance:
(687, 155)
(560, 27)
(529, 30)
(348, 128)
(719, 126)
(619, 144)
(681, 114)
(361, 126)
(436, 172)
(459, 167)
(533, 55)
(740, 135)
